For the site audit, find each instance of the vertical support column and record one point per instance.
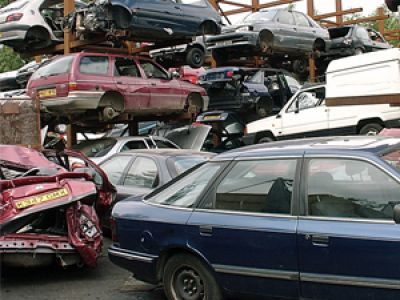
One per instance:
(339, 7)
(311, 61)
(214, 3)
(310, 8)
(71, 135)
(381, 23)
(133, 128)
(255, 5)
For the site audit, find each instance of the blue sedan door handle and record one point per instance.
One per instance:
(318, 240)
(206, 230)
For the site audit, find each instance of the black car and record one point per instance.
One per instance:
(254, 93)
(273, 32)
(354, 40)
(149, 20)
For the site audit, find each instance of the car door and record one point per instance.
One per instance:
(159, 15)
(306, 116)
(131, 84)
(245, 228)
(286, 31)
(348, 242)
(165, 93)
(305, 32)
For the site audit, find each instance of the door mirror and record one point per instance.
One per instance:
(396, 214)
(174, 75)
(279, 116)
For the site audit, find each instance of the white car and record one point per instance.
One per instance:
(27, 25)
(100, 149)
(306, 115)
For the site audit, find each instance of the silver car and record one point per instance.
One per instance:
(270, 32)
(27, 25)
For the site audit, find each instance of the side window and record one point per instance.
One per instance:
(114, 168)
(142, 173)
(362, 33)
(186, 191)
(347, 188)
(153, 71)
(258, 187)
(96, 65)
(133, 145)
(286, 17)
(126, 67)
(307, 99)
(301, 19)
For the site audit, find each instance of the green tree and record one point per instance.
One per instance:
(9, 60)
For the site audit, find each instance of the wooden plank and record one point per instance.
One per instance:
(364, 20)
(236, 4)
(261, 6)
(364, 100)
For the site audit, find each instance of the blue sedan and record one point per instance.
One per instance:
(310, 219)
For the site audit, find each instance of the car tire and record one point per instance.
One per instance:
(195, 58)
(371, 129)
(300, 66)
(265, 139)
(264, 107)
(358, 51)
(187, 277)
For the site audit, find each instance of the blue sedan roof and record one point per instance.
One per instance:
(366, 144)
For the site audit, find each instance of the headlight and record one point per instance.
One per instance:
(245, 28)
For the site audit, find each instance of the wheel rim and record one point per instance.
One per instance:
(372, 131)
(196, 58)
(187, 284)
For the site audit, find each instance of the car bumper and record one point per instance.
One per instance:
(233, 40)
(12, 32)
(341, 52)
(392, 123)
(143, 266)
(74, 102)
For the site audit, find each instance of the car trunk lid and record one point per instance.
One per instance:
(189, 137)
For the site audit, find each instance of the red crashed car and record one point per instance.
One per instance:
(109, 84)
(48, 213)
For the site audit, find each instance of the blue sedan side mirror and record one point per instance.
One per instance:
(396, 214)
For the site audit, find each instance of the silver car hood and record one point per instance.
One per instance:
(189, 137)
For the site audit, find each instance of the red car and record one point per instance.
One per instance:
(48, 213)
(112, 84)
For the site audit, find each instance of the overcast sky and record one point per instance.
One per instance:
(325, 6)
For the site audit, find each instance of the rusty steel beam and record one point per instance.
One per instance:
(236, 4)
(338, 13)
(261, 6)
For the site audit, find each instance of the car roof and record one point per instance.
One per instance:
(167, 152)
(324, 145)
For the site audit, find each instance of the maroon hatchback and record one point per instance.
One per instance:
(111, 84)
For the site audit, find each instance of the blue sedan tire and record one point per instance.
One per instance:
(187, 278)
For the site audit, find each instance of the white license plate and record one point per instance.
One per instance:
(224, 43)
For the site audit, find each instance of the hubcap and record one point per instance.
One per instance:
(197, 58)
(188, 285)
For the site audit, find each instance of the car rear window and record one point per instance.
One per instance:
(335, 33)
(97, 65)
(96, 148)
(58, 66)
(179, 164)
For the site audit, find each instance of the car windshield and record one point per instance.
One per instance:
(260, 16)
(186, 190)
(180, 164)
(95, 148)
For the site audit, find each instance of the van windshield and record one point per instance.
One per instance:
(59, 66)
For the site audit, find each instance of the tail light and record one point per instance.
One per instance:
(14, 17)
(72, 86)
(245, 132)
(113, 227)
(229, 74)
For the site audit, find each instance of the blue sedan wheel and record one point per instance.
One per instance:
(187, 278)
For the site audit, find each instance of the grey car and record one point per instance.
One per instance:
(270, 32)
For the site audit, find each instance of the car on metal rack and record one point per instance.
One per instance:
(48, 211)
(274, 32)
(32, 25)
(110, 84)
(354, 40)
(252, 92)
(332, 204)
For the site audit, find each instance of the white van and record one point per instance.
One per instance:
(306, 115)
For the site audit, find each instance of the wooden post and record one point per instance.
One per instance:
(133, 128)
(381, 23)
(311, 65)
(71, 135)
(339, 7)
(255, 5)
(310, 8)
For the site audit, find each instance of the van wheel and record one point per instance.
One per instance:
(265, 139)
(195, 58)
(187, 278)
(371, 129)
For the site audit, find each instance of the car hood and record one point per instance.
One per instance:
(189, 137)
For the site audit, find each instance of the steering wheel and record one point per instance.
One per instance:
(30, 172)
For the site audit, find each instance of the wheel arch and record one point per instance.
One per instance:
(124, 14)
(167, 253)
(209, 27)
(38, 29)
(364, 122)
(267, 34)
(320, 45)
(114, 99)
(194, 98)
